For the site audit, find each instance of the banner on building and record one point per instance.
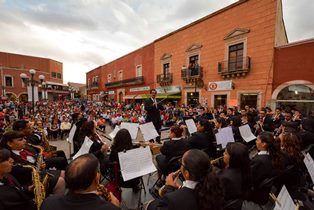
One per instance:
(220, 85)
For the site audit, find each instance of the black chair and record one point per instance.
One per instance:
(260, 194)
(233, 204)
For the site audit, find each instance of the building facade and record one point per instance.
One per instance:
(225, 58)
(130, 77)
(12, 65)
(293, 83)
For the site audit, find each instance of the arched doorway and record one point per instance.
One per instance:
(23, 97)
(297, 96)
(120, 97)
(11, 96)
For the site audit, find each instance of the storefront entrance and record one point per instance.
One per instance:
(220, 100)
(192, 98)
(249, 99)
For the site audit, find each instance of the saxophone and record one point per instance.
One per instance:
(45, 143)
(104, 192)
(162, 190)
(39, 189)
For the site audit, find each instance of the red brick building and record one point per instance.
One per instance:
(293, 83)
(12, 65)
(126, 78)
(225, 58)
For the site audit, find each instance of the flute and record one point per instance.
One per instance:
(215, 161)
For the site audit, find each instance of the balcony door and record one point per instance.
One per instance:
(235, 59)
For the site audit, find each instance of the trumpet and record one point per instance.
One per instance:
(162, 190)
(104, 192)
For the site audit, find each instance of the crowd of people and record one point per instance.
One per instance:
(35, 174)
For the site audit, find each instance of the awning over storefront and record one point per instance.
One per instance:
(169, 96)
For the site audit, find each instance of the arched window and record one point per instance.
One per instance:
(296, 92)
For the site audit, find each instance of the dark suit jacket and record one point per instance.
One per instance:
(13, 196)
(231, 179)
(181, 199)
(174, 148)
(268, 123)
(203, 141)
(77, 202)
(153, 114)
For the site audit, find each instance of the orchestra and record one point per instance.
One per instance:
(239, 176)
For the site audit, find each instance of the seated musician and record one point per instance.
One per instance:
(177, 146)
(266, 164)
(98, 148)
(235, 175)
(82, 179)
(201, 188)
(15, 142)
(123, 142)
(54, 159)
(290, 146)
(12, 195)
(204, 138)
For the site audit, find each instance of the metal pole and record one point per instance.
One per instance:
(33, 99)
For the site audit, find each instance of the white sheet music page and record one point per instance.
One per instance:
(131, 127)
(148, 130)
(71, 134)
(191, 126)
(246, 133)
(224, 136)
(114, 132)
(309, 163)
(84, 148)
(285, 200)
(136, 162)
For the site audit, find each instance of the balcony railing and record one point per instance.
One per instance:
(237, 68)
(164, 79)
(191, 74)
(132, 81)
(95, 85)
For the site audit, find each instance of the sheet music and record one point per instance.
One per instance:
(285, 200)
(114, 132)
(131, 127)
(246, 133)
(309, 163)
(148, 130)
(136, 162)
(71, 136)
(191, 126)
(224, 136)
(84, 148)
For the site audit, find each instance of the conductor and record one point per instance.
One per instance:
(152, 108)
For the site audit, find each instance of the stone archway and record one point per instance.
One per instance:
(23, 97)
(11, 96)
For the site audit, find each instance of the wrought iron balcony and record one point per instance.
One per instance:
(191, 74)
(132, 81)
(238, 68)
(164, 79)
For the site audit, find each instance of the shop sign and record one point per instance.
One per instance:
(111, 92)
(168, 90)
(221, 85)
(137, 89)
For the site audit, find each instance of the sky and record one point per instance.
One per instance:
(84, 34)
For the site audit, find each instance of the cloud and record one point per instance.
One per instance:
(84, 34)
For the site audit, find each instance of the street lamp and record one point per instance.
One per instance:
(32, 82)
(44, 88)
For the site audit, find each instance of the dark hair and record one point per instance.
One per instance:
(122, 141)
(292, 146)
(81, 172)
(207, 126)
(5, 154)
(273, 148)
(153, 90)
(86, 130)
(308, 124)
(8, 137)
(209, 189)
(239, 158)
(19, 125)
(221, 121)
(177, 130)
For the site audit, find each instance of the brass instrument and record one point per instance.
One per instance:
(216, 161)
(162, 190)
(45, 143)
(104, 192)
